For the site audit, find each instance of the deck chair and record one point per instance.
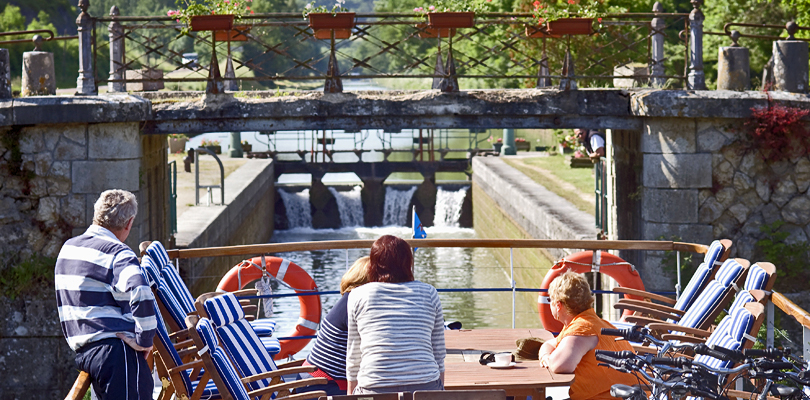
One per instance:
(372, 396)
(716, 254)
(709, 302)
(271, 344)
(157, 266)
(460, 395)
(757, 288)
(270, 383)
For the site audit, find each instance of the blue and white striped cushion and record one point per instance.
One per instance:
(247, 351)
(698, 280)
(264, 326)
(232, 383)
(150, 271)
(178, 288)
(743, 323)
(713, 254)
(741, 300)
(207, 333)
(158, 254)
(757, 278)
(271, 344)
(707, 301)
(729, 272)
(224, 309)
(175, 310)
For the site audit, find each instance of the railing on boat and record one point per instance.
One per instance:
(777, 299)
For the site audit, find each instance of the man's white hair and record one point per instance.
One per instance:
(114, 208)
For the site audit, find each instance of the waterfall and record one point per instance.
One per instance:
(448, 207)
(395, 210)
(299, 214)
(350, 206)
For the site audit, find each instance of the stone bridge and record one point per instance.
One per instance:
(678, 166)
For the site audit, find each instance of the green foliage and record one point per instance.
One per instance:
(312, 8)
(552, 10)
(194, 8)
(789, 257)
(474, 6)
(670, 262)
(24, 274)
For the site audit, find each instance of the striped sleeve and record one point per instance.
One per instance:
(133, 293)
(353, 353)
(437, 336)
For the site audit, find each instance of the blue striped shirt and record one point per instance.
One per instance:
(329, 352)
(101, 291)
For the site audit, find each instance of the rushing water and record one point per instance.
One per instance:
(448, 207)
(350, 206)
(395, 208)
(299, 214)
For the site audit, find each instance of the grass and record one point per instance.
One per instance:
(553, 173)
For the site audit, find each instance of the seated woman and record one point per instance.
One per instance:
(329, 352)
(396, 326)
(573, 351)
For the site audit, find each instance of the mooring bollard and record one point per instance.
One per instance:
(733, 66)
(38, 72)
(5, 75)
(790, 63)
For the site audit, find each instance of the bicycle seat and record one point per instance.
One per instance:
(625, 391)
(783, 391)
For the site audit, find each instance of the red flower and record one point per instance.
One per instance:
(536, 4)
(599, 19)
(251, 11)
(570, 1)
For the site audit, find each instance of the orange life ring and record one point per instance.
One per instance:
(587, 261)
(284, 270)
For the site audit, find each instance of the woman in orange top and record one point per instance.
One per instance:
(573, 351)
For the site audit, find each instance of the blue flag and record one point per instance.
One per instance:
(418, 229)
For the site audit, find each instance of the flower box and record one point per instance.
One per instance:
(217, 149)
(525, 146)
(327, 33)
(247, 148)
(579, 162)
(571, 26)
(212, 22)
(341, 20)
(237, 34)
(451, 19)
(177, 145)
(539, 32)
(427, 32)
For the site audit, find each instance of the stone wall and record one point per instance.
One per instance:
(52, 176)
(247, 218)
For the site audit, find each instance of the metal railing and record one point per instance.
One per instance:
(36, 39)
(501, 49)
(173, 197)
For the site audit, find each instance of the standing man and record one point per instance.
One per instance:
(106, 308)
(594, 142)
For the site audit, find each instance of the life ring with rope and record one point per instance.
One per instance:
(621, 271)
(295, 278)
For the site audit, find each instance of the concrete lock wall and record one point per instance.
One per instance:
(52, 176)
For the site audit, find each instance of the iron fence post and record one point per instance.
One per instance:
(697, 80)
(116, 54)
(656, 63)
(85, 84)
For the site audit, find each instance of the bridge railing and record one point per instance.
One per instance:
(503, 50)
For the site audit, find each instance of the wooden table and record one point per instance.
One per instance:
(527, 378)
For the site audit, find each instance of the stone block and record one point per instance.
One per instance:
(5, 75)
(669, 135)
(710, 210)
(668, 205)
(58, 186)
(790, 67)
(733, 72)
(797, 211)
(73, 210)
(38, 74)
(636, 74)
(114, 141)
(784, 192)
(48, 210)
(677, 171)
(693, 233)
(9, 211)
(31, 140)
(802, 174)
(94, 177)
(80, 109)
(49, 367)
(151, 80)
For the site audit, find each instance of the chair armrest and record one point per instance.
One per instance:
(288, 386)
(250, 309)
(80, 387)
(645, 310)
(183, 344)
(245, 292)
(296, 363)
(664, 326)
(683, 338)
(647, 304)
(640, 349)
(187, 351)
(646, 295)
(179, 335)
(250, 318)
(639, 320)
(759, 295)
(191, 365)
(279, 372)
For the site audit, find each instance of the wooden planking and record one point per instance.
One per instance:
(790, 308)
(496, 243)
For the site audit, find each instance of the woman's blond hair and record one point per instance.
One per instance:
(356, 276)
(572, 290)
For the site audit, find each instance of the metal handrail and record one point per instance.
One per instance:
(51, 36)
(197, 185)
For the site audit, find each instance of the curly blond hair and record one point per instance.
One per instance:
(356, 276)
(573, 291)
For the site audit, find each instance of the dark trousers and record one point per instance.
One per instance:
(117, 371)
